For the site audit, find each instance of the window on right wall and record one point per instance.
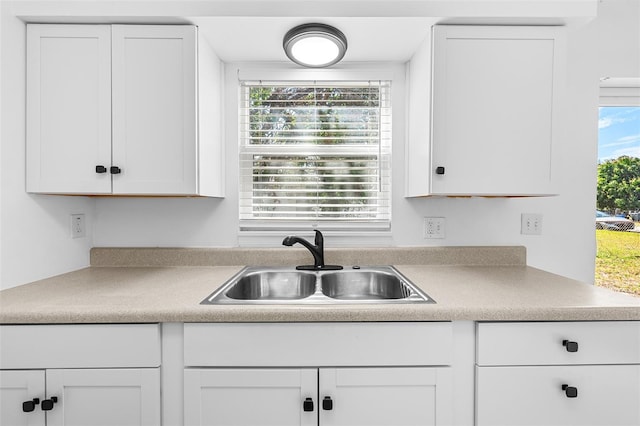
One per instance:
(617, 218)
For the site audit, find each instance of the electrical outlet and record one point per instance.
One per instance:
(531, 224)
(434, 227)
(77, 226)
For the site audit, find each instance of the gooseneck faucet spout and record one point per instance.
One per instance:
(316, 250)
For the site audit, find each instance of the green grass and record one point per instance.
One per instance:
(618, 260)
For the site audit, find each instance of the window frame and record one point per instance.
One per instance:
(252, 235)
(615, 92)
(620, 92)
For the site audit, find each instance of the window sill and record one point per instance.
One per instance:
(331, 238)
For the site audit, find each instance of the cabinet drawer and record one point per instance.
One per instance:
(317, 344)
(79, 346)
(613, 342)
(607, 395)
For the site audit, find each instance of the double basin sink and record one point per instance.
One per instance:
(282, 285)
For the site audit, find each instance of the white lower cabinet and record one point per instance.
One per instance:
(385, 396)
(82, 397)
(19, 391)
(80, 375)
(122, 397)
(417, 396)
(558, 373)
(269, 397)
(318, 374)
(603, 395)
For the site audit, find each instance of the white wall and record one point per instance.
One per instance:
(35, 238)
(567, 245)
(616, 33)
(1, 119)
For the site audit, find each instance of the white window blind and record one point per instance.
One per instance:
(315, 154)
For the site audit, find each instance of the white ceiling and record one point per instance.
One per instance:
(244, 39)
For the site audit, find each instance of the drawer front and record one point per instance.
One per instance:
(317, 344)
(607, 395)
(80, 346)
(611, 342)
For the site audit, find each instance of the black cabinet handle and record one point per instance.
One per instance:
(439, 170)
(29, 406)
(327, 403)
(47, 404)
(570, 346)
(115, 170)
(307, 405)
(101, 169)
(570, 391)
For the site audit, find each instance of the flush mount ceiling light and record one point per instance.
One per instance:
(315, 45)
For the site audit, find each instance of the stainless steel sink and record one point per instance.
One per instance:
(364, 285)
(273, 285)
(355, 285)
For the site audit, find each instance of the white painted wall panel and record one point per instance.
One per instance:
(36, 238)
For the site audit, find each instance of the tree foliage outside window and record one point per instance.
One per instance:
(619, 184)
(315, 152)
(618, 188)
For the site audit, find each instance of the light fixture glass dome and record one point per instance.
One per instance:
(315, 45)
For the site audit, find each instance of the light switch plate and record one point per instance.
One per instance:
(531, 224)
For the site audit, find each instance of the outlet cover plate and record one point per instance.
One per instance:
(434, 227)
(78, 226)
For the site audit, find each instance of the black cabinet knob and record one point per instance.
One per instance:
(115, 170)
(101, 169)
(439, 170)
(307, 405)
(47, 404)
(570, 391)
(29, 406)
(570, 346)
(327, 403)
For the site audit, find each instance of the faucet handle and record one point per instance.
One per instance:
(319, 239)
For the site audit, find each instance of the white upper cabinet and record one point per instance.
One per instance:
(115, 110)
(154, 109)
(68, 108)
(495, 111)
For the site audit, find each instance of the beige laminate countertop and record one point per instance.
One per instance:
(134, 294)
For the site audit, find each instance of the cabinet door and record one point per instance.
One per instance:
(16, 387)
(68, 108)
(108, 397)
(496, 95)
(154, 109)
(607, 395)
(385, 396)
(242, 397)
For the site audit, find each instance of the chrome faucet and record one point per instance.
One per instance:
(316, 250)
